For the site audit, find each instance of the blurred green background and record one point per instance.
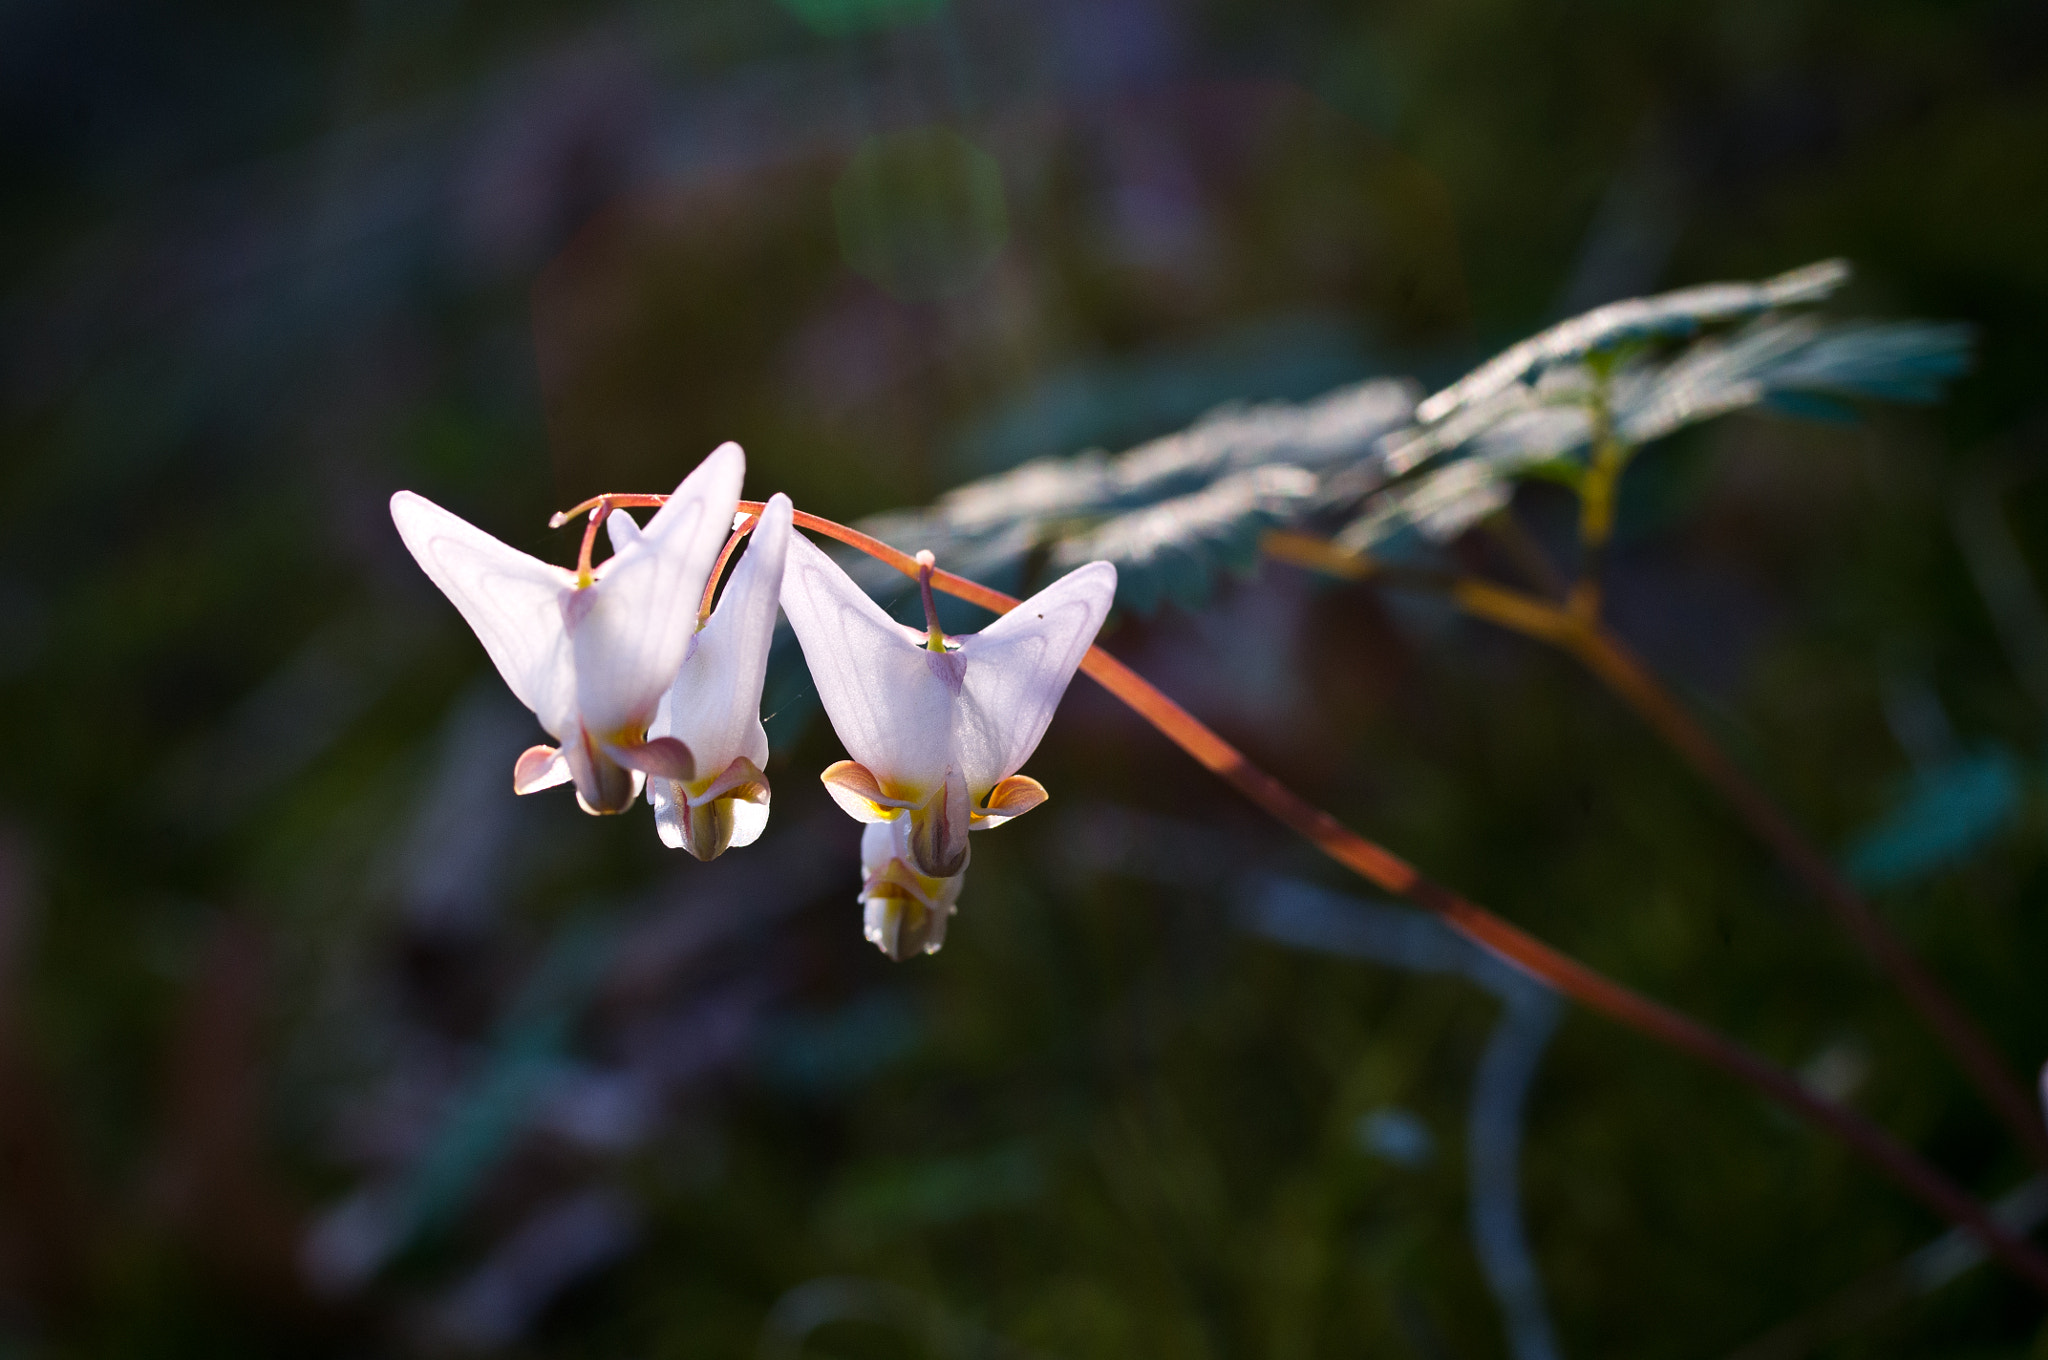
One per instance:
(314, 1041)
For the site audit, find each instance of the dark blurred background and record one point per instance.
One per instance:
(313, 1040)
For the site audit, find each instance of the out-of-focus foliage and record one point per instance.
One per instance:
(1172, 512)
(1945, 815)
(1167, 513)
(1485, 434)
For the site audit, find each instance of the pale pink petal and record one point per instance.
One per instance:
(749, 820)
(889, 699)
(1009, 800)
(511, 601)
(622, 529)
(1017, 669)
(904, 913)
(854, 787)
(729, 810)
(539, 767)
(671, 806)
(938, 829)
(631, 630)
(742, 779)
(659, 757)
(715, 702)
(603, 786)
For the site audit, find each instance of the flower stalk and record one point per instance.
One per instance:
(1393, 874)
(1579, 633)
(1597, 486)
(934, 636)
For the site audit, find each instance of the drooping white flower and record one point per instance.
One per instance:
(903, 912)
(714, 706)
(938, 727)
(590, 653)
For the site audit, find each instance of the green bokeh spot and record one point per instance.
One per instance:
(921, 212)
(837, 18)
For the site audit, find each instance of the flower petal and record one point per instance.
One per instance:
(715, 702)
(662, 757)
(1009, 800)
(1017, 669)
(938, 830)
(511, 601)
(603, 786)
(904, 913)
(671, 806)
(890, 700)
(622, 529)
(854, 787)
(631, 630)
(742, 779)
(749, 820)
(708, 822)
(708, 828)
(539, 767)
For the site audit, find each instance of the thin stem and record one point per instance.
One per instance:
(1596, 504)
(598, 510)
(1319, 554)
(1622, 672)
(1626, 676)
(732, 543)
(1388, 870)
(1585, 985)
(934, 636)
(614, 499)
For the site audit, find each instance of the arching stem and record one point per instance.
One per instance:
(598, 511)
(1393, 874)
(1596, 647)
(732, 542)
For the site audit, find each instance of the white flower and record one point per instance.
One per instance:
(938, 727)
(904, 912)
(590, 653)
(714, 706)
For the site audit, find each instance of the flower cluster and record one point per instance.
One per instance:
(644, 692)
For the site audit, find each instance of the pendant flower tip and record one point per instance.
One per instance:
(593, 652)
(903, 912)
(937, 726)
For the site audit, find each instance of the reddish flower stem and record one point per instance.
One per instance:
(732, 544)
(1389, 871)
(1625, 674)
(598, 511)
(1581, 634)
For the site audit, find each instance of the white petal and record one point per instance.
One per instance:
(602, 784)
(622, 529)
(884, 842)
(1017, 669)
(938, 830)
(715, 703)
(670, 801)
(1011, 798)
(510, 600)
(890, 700)
(749, 820)
(539, 767)
(657, 757)
(878, 845)
(631, 630)
(903, 913)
